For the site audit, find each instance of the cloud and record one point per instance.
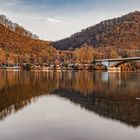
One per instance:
(52, 20)
(38, 17)
(61, 18)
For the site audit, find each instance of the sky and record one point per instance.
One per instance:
(56, 19)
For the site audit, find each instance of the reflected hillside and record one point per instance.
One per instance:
(111, 95)
(18, 89)
(126, 111)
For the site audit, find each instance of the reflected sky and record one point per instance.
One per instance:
(69, 105)
(56, 119)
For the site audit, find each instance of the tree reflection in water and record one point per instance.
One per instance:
(111, 95)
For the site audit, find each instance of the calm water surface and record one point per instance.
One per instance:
(69, 106)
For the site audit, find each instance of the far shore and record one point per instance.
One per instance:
(62, 67)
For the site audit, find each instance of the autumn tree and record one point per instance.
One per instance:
(84, 54)
(2, 55)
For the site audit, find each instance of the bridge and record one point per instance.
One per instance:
(116, 62)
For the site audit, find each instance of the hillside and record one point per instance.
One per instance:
(118, 37)
(117, 33)
(19, 45)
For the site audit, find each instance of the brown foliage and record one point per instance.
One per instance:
(22, 45)
(85, 54)
(110, 38)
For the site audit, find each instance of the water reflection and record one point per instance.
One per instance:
(110, 95)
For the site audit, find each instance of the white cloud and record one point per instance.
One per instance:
(59, 23)
(52, 20)
(38, 18)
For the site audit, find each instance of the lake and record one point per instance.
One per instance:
(69, 105)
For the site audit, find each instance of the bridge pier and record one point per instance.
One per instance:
(110, 66)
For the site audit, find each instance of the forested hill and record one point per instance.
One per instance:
(122, 33)
(19, 45)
